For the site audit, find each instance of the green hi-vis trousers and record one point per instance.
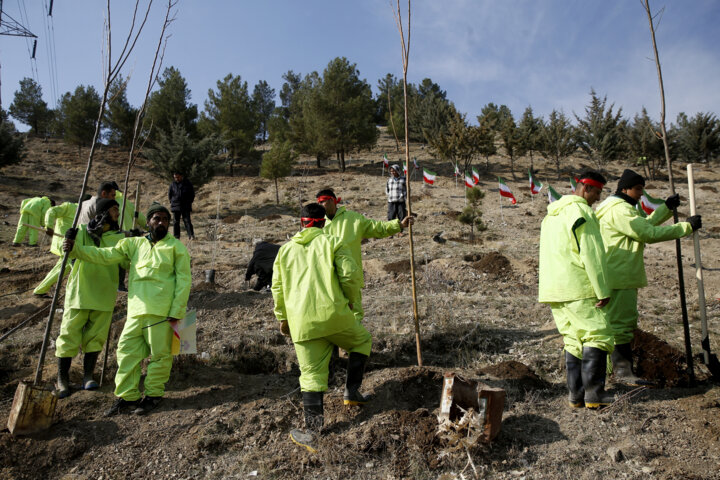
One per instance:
(137, 343)
(22, 229)
(582, 324)
(86, 329)
(623, 314)
(52, 276)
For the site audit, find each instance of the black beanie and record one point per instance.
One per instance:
(154, 208)
(102, 205)
(629, 179)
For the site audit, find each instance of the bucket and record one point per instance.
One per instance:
(209, 276)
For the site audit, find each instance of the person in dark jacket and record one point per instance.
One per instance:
(181, 196)
(261, 264)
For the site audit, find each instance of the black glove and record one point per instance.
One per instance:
(71, 233)
(95, 227)
(695, 222)
(135, 232)
(673, 201)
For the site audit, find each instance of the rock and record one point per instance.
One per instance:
(616, 455)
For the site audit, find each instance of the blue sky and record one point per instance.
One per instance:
(547, 54)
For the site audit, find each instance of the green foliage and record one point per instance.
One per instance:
(178, 151)
(530, 135)
(510, 136)
(557, 138)
(277, 163)
(471, 214)
(644, 144)
(697, 138)
(171, 104)
(29, 108)
(263, 105)
(12, 145)
(119, 115)
(429, 111)
(600, 133)
(78, 114)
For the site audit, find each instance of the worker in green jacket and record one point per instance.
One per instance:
(32, 212)
(128, 223)
(159, 286)
(625, 231)
(573, 280)
(57, 220)
(316, 286)
(89, 300)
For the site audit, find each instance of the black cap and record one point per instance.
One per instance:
(629, 179)
(102, 205)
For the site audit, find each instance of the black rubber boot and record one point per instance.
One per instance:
(573, 365)
(313, 408)
(594, 363)
(63, 380)
(622, 367)
(89, 361)
(355, 372)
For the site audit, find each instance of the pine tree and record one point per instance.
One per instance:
(12, 145)
(600, 133)
(529, 130)
(78, 115)
(277, 163)
(171, 104)
(29, 107)
(557, 138)
(263, 105)
(119, 115)
(471, 214)
(644, 144)
(697, 138)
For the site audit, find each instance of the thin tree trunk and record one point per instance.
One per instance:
(277, 193)
(392, 122)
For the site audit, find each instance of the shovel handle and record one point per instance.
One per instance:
(40, 229)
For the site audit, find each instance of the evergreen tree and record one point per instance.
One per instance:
(78, 115)
(600, 133)
(12, 145)
(429, 111)
(644, 144)
(698, 138)
(171, 104)
(119, 115)
(277, 163)
(263, 105)
(529, 129)
(510, 136)
(557, 138)
(29, 107)
(471, 214)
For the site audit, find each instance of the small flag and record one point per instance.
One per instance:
(417, 167)
(405, 169)
(469, 181)
(552, 194)
(184, 339)
(428, 176)
(573, 183)
(535, 185)
(476, 176)
(506, 192)
(386, 162)
(457, 171)
(648, 203)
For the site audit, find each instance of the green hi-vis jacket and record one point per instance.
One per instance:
(129, 213)
(36, 206)
(625, 232)
(352, 227)
(159, 274)
(59, 218)
(572, 255)
(91, 286)
(314, 279)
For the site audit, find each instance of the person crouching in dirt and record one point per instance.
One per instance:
(159, 286)
(90, 297)
(315, 286)
(574, 281)
(625, 231)
(32, 212)
(261, 264)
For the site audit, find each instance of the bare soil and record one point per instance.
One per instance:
(228, 410)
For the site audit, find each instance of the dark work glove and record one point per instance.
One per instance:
(71, 233)
(95, 227)
(673, 201)
(135, 232)
(695, 222)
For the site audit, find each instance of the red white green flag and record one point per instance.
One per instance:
(405, 169)
(476, 176)
(469, 181)
(535, 185)
(386, 162)
(648, 203)
(573, 183)
(428, 176)
(552, 194)
(505, 191)
(457, 171)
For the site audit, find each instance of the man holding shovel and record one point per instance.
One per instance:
(315, 287)
(625, 231)
(57, 220)
(32, 212)
(573, 280)
(159, 287)
(89, 300)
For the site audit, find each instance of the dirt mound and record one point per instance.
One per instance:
(657, 360)
(258, 190)
(492, 263)
(453, 214)
(274, 216)
(516, 373)
(401, 266)
(708, 188)
(231, 218)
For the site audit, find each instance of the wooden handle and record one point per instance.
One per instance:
(40, 229)
(698, 271)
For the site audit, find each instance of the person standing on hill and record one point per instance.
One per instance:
(89, 300)
(625, 231)
(32, 212)
(574, 281)
(181, 196)
(57, 220)
(315, 286)
(88, 207)
(159, 286)
(396, 191)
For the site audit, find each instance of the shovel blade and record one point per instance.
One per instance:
(460, 395)
(32, 410)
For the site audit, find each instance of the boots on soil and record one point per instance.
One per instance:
(89, 361)
(573, 365)
(622, 367)
(594, 363)
(313, 408)
(63, 380)
(355, 372)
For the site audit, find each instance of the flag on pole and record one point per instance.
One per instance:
(417, 167)
(535, 185)
(469, 181)
(573, 183)
(506, 192)
(457, 171)
(476, 176)
(386, 162)
(552, 194)
(405, 168)
(428, 176)
(648, 203)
